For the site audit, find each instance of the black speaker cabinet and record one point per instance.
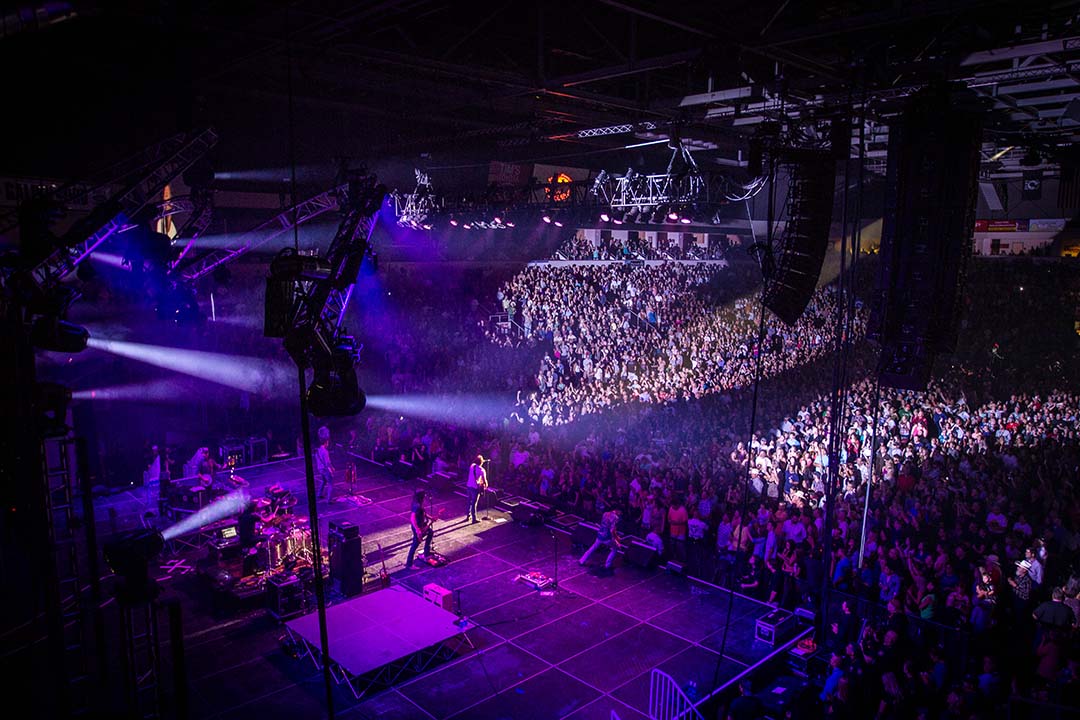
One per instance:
(346, 563)
(584, 534)
(284, 596)
(642, 555)
(348, 530)
(527, 514)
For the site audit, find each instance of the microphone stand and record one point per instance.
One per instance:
(555, 582)
(487, 488)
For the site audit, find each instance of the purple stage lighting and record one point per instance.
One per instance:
(251, 374)
(227, 506)
(475, 411)
(685, 220)
(673, 215)
(108, 259)
(547, 218)
(605, 217)
(453, 222)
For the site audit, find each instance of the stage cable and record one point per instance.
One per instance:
(745, 501)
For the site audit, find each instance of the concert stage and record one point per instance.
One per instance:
(377, 638)
(578, 650)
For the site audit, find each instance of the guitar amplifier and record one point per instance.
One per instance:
(346, 529)
(438, 595)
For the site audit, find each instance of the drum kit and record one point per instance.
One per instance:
(286, 538)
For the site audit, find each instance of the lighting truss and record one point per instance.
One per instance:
(200, 205)
(320, 305)
(275, 227)
(106, 220)
(677, 186)
(415, 209)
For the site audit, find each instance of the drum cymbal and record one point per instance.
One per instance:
(290, 501)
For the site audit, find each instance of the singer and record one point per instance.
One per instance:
(476, 482)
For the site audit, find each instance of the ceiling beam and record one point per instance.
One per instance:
(629, 68)
(660, 19)
(1021, 51)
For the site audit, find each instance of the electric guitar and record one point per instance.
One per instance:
(429, 526)
(384, 576)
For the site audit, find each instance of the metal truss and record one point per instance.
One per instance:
(608, 130)
(320, 305)
(109, 218)
(275, 227)
(414, 210)
(653, 190)
(200, 205)
(79, 192)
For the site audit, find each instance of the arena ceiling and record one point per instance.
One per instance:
(453, 82)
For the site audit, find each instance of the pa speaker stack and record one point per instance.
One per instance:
(930, 199)
(346, 558)
(794, 274)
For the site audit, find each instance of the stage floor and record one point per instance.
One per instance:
(578, 651)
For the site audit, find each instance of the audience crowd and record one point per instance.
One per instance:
(952, 552)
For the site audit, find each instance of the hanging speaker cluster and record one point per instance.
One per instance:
(794, 273)
(931, 190)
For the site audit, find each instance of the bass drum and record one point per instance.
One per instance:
(276, 548)
(299, 540)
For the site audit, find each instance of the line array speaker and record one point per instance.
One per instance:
(931, 191)
(811, 184)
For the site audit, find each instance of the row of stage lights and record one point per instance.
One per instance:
(683, 215)
(655, 216)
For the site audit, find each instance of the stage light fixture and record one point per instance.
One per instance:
(547, 218)
(50, 333)
(335, 391)
(453, 222)
(557, 223)
(129, 556)
(50, 406)
(673, 214)
(605, 217)
(686, 219)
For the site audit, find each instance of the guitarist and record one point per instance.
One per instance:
(474, 485)
(607, 536)
(421, 528)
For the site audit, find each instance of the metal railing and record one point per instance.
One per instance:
(667, 701)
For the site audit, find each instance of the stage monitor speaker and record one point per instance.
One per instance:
(584, 535)
(440, 481)
(404, 469)
(527, 514)
(931, 187)
(642, 555)
(346, 563)
(793, 274)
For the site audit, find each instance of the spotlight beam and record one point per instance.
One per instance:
(227, 506)
(250, 374)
